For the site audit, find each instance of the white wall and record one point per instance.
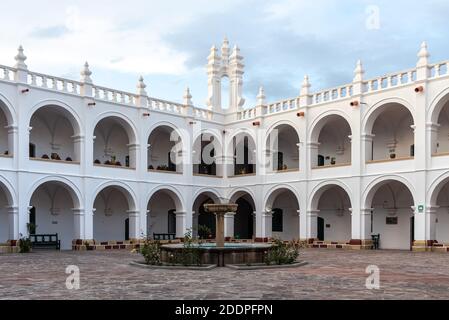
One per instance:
(110, 227)
(393, 236)
(335, 136)
(48, 125)
(443, 130)
(157, 219)
(115, 136)
(339, 220)
(4, 221)
(393, 125)
(50, 224)
(386, 198)
(3, 134)
(160, 146)
(289, 205)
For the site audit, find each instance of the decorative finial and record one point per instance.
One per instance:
(423, 55)
(305, 86)
(20, 59)
(86, 73)
(187, 97)
(261, 97)
(358, 72)
(141, 87)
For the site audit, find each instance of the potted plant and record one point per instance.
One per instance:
(45, 156)
(68, 159)
(333, 160)
(392, 155)
(97, 161)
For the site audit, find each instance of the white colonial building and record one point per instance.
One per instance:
(331, 167)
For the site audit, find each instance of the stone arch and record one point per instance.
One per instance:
(320, 121)
(127, 124)
(69, 112)
(373, 186)
(273, 192)
(375, 110)
(318, 191)
(124, 188)
(73, 190)
(173, 193)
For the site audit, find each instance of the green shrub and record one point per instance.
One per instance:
(190, 253)
(151, 251)
(282, 253)
(24, 245)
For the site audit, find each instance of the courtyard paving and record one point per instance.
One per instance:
(329, 275)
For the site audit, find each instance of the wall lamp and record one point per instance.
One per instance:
(25, 90)
(419, 89)
(300, 114)
(91, 104)
(256, 123)
(146, 114)
(357, 103)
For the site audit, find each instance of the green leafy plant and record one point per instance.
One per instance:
(151, 251)
(204, 232)
(190, 253)
(282, 253)
(25, 242)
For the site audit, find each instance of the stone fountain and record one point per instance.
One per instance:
(220, 210)
(221, 253)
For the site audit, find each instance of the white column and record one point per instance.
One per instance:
(367, 146)
(313, 147)
(229, 224)
(267, 224)
(89, 224)
(77, 148)
(365, 223)
(180, 224)
(78, 224)
(13, 218)
(12, 130)
(134, 224)
(431, 216)
(312, 221)
(133, 155)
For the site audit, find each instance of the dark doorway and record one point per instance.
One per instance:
(243, 221)
(277, 222)
(320, 229)
(127, 229)
(320, 161)
(412, 232)
(32, 225)
(206, 219)
(171, 164)
(32, 150)
(245, 167)
(279, 160)
(172, 221)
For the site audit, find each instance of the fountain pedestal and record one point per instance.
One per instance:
(220, 210)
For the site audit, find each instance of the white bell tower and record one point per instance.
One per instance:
(226, 65)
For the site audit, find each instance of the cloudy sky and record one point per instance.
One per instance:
(168, 41)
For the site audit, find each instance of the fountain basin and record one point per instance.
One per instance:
(231, 253)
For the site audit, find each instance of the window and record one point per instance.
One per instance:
(32, 150)
(320, 161)
(277, 223)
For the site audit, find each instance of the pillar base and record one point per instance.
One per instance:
(423, 245)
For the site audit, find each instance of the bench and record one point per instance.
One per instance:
(375, 238)
(164, 236)
(45, 241)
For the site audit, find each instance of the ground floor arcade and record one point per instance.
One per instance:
(115, 214)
